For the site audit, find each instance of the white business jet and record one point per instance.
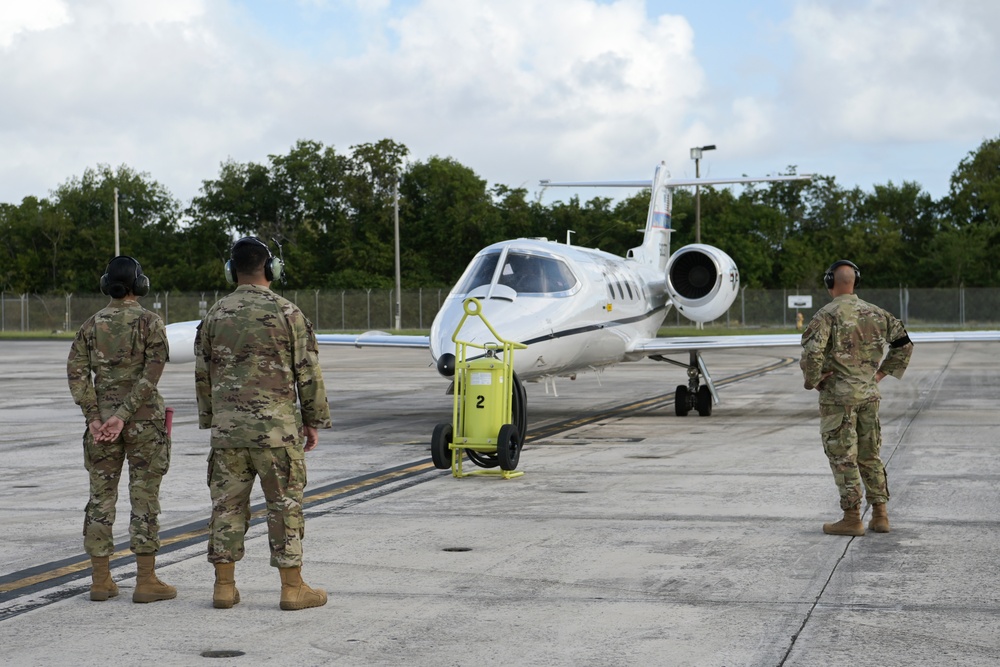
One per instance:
(580, 309)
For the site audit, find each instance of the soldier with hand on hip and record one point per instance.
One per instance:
(844, 357)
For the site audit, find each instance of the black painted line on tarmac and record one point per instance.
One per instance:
(61, 572)
(646, 404)
(66, 570)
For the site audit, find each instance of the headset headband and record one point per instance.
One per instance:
(828, 277)
(137, 283)
(274, 267)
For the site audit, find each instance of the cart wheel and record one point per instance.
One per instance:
(508, 447)
(440, 452)
(681, 406)
(519, 409)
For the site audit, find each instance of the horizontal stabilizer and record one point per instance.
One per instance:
(674, 182)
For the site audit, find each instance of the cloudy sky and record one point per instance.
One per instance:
(867, 91)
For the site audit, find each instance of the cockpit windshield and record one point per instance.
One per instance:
(525, 273)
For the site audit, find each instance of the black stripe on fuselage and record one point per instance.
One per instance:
(595, 327)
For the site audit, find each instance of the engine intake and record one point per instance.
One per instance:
(702, 282)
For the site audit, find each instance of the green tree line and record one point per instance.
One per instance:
(333, 215)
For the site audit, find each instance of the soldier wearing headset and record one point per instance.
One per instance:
(114, 366)
(844, 357)
(260, 390)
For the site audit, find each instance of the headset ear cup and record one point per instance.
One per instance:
(141, 285)
(105, 281)
(230, 272)
(276, 268)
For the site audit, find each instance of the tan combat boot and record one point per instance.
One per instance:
(850, 525)
(225, 594)
(880, 519)
(295, 593)
(102, 586)
(147, 587)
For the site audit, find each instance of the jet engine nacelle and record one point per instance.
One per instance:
(702, 282)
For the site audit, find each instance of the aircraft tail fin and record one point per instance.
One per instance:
(655, 248)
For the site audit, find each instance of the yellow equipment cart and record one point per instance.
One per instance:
(484, 388)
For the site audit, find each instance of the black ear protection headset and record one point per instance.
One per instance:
(828, 276)
(133, 280)
(274, 267)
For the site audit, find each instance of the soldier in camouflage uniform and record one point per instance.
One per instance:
(114, 365)
(844, 358)
(260, 389)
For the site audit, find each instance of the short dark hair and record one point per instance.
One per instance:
(249, 257)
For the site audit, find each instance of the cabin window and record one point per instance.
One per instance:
(479, 272)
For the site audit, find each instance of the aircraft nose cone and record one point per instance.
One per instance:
(446, 364)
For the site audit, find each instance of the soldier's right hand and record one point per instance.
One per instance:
(312, 438)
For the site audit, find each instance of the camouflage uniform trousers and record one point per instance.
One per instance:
(231, 473)
(146, 445)
(852, 438)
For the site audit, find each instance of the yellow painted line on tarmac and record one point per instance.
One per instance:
(311, 499)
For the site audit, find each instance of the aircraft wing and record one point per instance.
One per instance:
(374, 339)
(679, 344)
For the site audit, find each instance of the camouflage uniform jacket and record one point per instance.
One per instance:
(255, 353)
(848, 336)
(115, 363)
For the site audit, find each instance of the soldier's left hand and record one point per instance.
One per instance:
(110, 430)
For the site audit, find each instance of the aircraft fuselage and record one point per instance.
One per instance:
(575, 308)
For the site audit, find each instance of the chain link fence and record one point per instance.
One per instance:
(375, 309)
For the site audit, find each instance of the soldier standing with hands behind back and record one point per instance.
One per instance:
(842, 357)
(260, 389)
(113, 369)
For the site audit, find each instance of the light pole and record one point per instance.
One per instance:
(395, 220)
(696, 156)
(117, 246)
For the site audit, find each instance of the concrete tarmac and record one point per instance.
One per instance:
(634, 537)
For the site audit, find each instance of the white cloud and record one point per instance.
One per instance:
(25, 17)
(568, 79)
(521, 90)
(518, 90)
(924, 70)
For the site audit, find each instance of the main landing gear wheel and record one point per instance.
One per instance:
(508, 447)
(440, 452)
(703, 402)
(681, 405)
